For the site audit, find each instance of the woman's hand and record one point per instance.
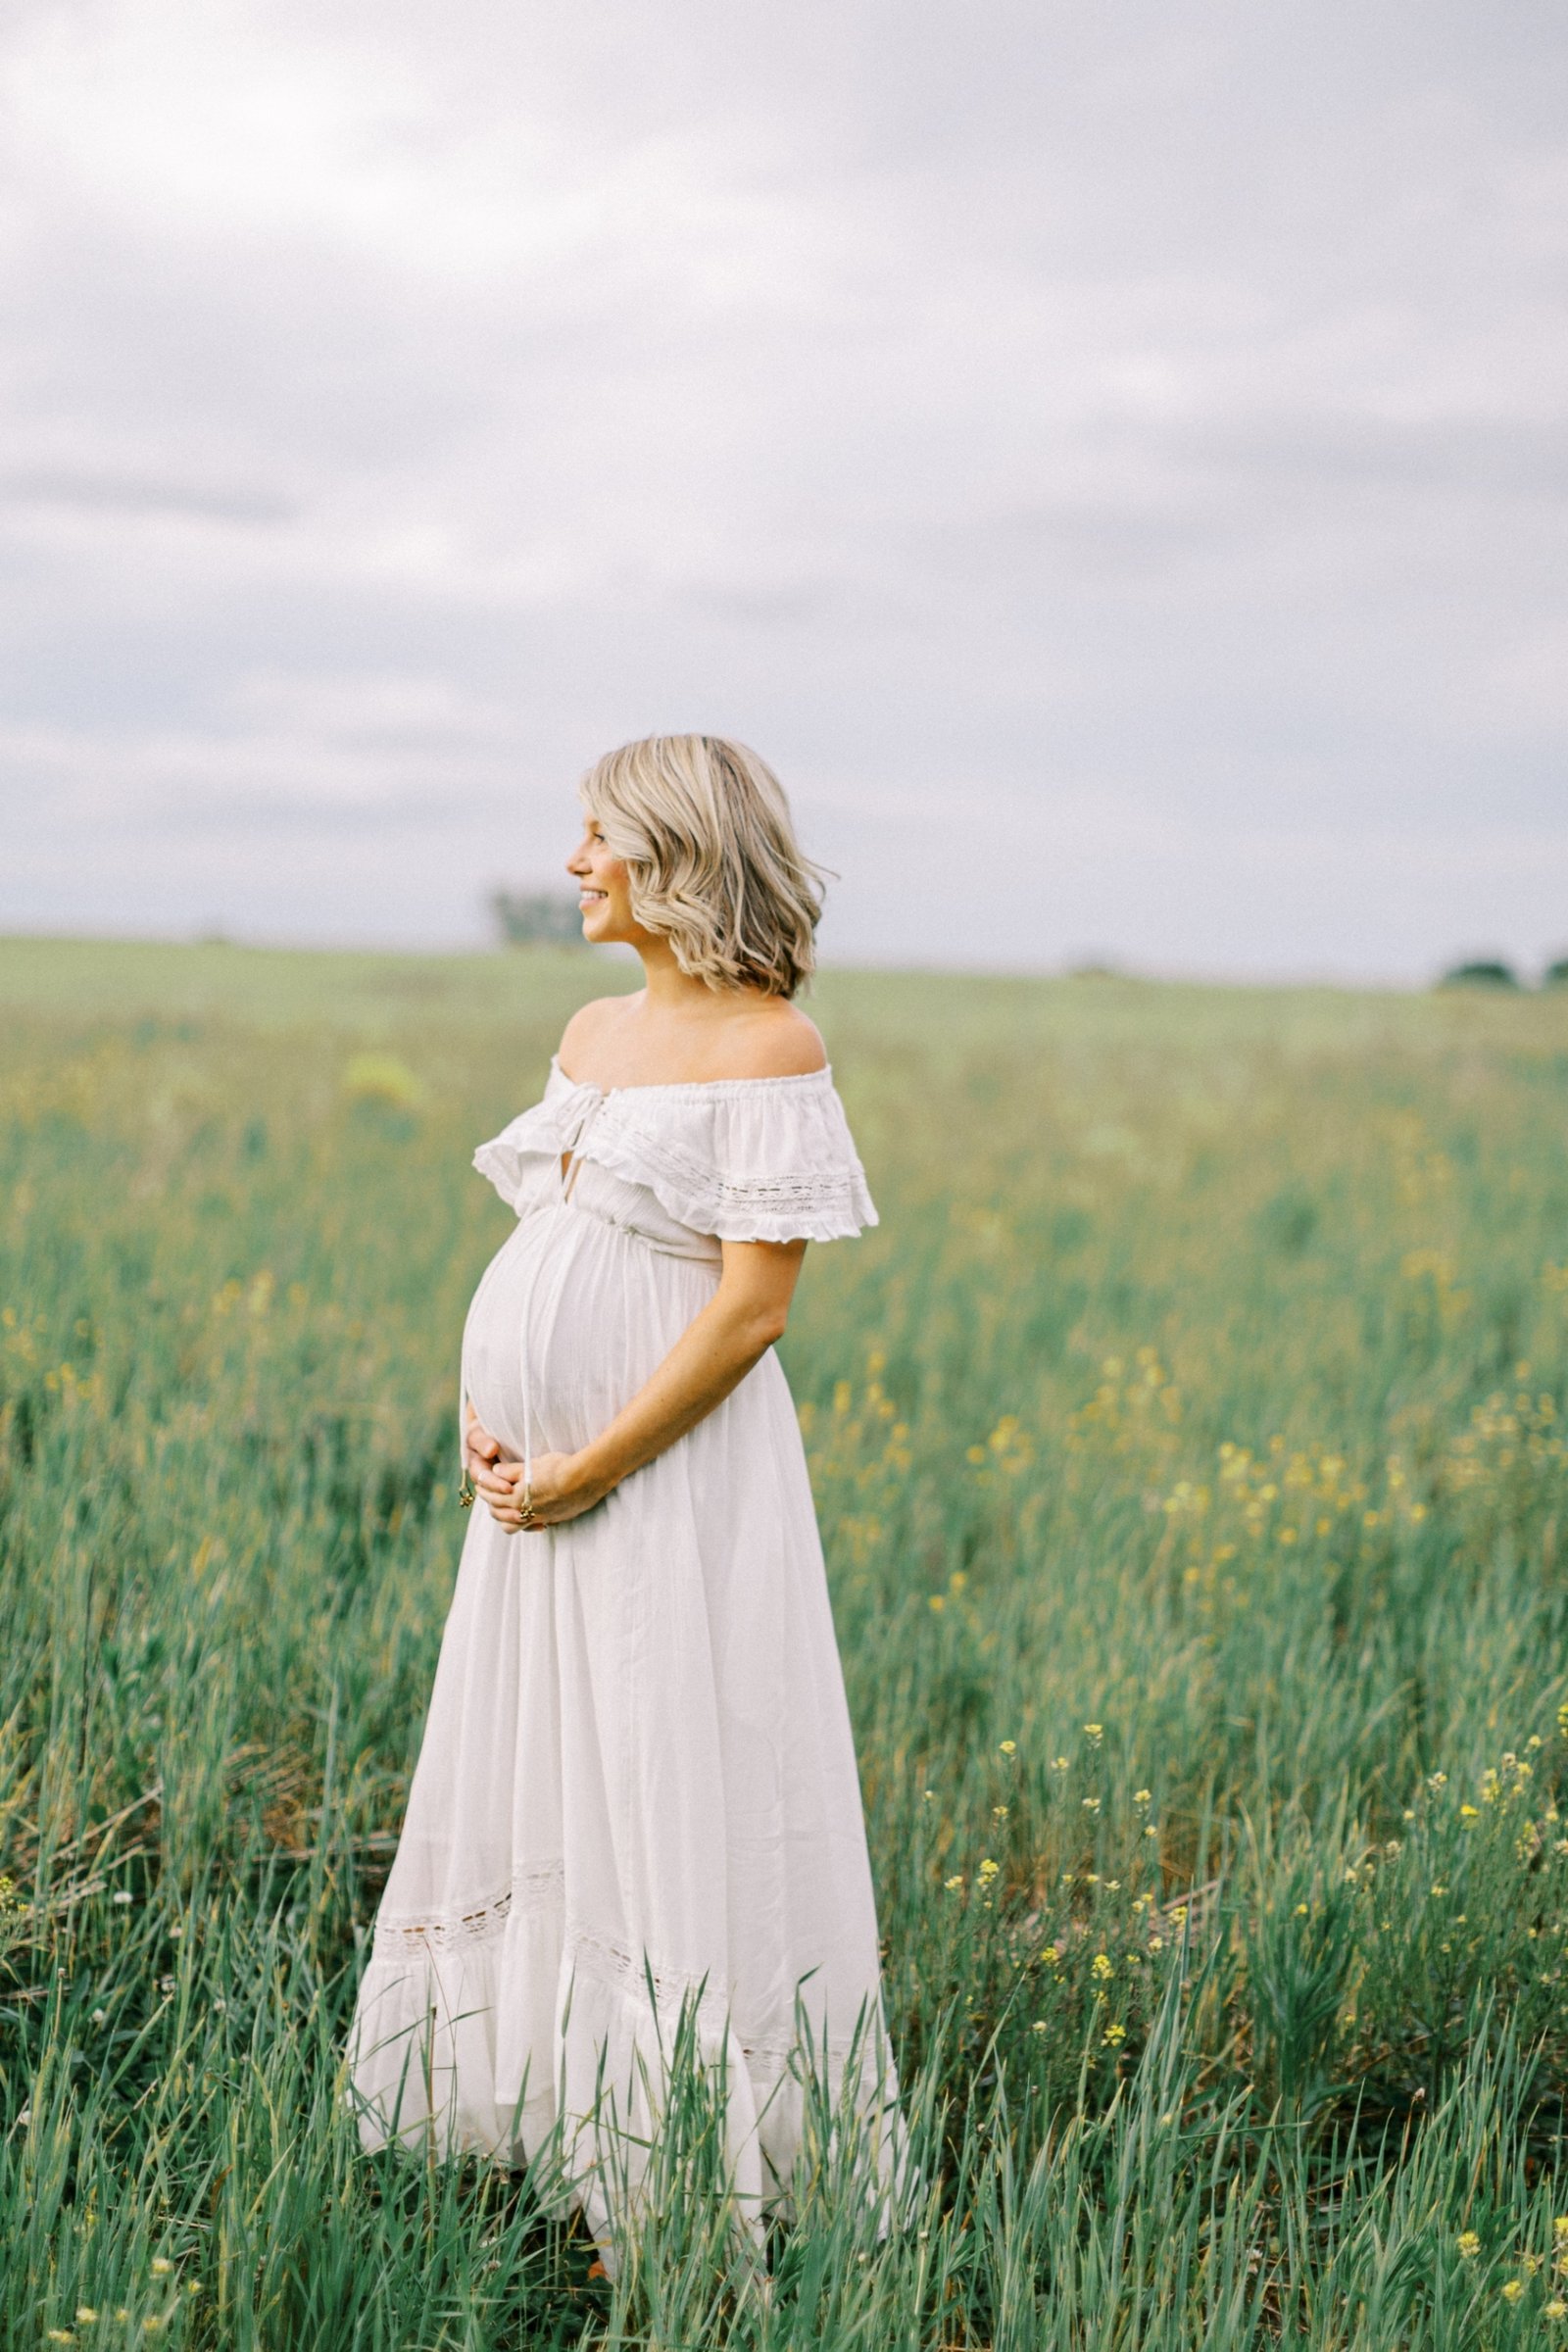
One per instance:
(560, 1491)
(480, 1449)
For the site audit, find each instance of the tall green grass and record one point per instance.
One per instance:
(1189, 1451)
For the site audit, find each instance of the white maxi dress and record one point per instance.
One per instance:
(637, 1796)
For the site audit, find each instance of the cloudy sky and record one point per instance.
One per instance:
(1109, 457)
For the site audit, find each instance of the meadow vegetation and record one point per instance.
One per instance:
(1189, 1446)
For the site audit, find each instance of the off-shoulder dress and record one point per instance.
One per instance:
(637, 1788)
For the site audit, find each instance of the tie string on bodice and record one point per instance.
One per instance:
(577, 1124)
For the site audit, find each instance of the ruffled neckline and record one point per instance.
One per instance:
(691, 1085)
(733, 1159)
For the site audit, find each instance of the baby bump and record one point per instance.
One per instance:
(569, 1320)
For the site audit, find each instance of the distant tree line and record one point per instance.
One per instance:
(553, 918)
(1491, 972)
(530, 917)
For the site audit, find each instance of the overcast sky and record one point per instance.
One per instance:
(1109, 457)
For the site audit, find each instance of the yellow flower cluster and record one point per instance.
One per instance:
(849, 1453)
(1432, 1273)
(1507, 1437)
(1008, 1448)
(1135, 1409)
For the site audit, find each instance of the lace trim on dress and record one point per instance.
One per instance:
(613, 1964)
(810, 1205)
(603, 1957)
(477, 1922)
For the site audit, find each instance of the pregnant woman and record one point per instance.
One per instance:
(637, 1800)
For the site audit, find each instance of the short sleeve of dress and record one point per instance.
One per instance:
(760, 1159)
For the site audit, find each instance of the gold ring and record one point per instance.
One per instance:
(525, 1517)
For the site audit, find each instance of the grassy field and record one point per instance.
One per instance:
(1189, 1447)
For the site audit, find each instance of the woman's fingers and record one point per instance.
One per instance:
(478, 1439)
(509, 1516)
(500, 1488)
(500, 1483)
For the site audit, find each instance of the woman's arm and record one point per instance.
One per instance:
(746, 1314)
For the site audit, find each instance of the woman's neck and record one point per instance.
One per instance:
(669, 990)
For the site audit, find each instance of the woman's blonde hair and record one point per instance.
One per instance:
(709, 846)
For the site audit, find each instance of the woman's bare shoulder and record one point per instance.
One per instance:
(776, 1041)
(588, 1026)
(612, 1042)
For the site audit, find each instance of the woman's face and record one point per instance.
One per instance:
(603, 890)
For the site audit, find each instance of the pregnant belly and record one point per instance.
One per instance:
(569, 1320)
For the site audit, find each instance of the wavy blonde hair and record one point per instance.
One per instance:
(708, 843)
